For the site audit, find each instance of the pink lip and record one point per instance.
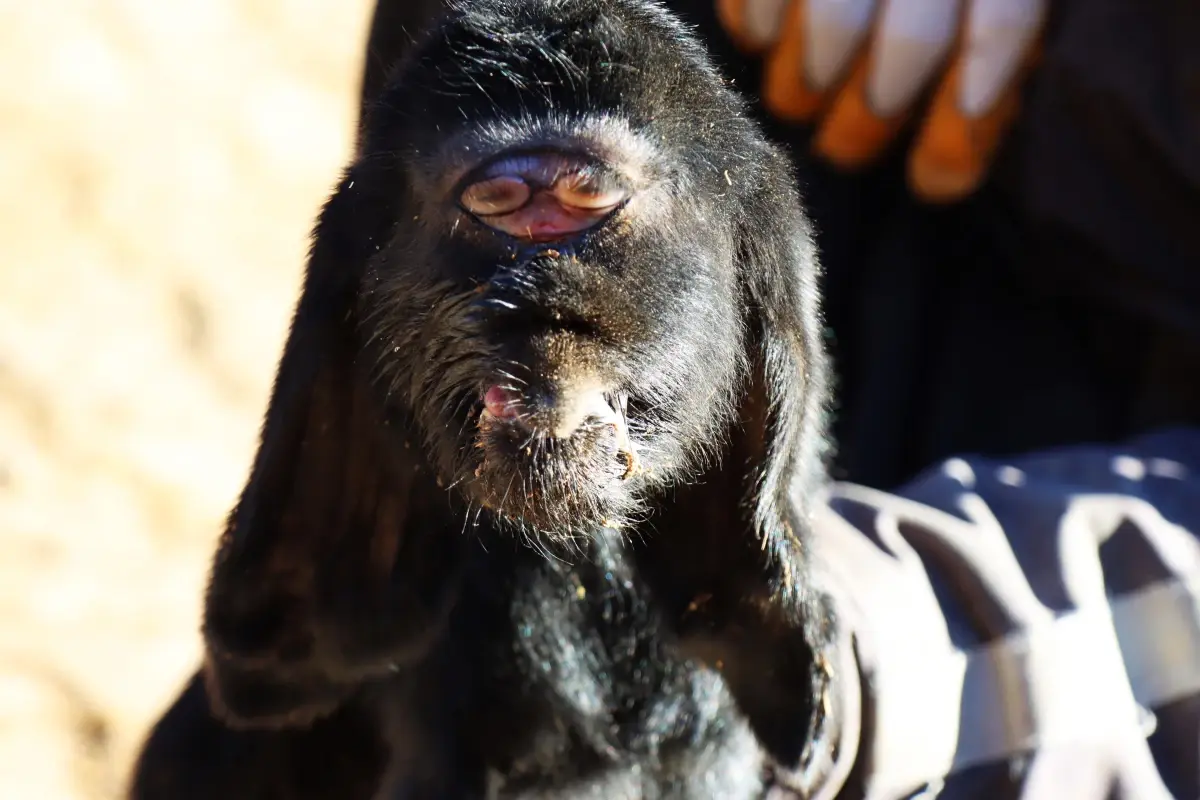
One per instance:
(504, 405)
(500, 403)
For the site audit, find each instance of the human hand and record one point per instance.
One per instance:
(858, 70)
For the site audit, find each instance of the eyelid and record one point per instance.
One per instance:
(543, 169)
(502, 194)
(587, 190)
(584, 192)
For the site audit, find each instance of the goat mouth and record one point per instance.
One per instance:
(585, 427)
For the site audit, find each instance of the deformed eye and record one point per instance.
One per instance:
(500, 195)
(587, 192)
(542, 196)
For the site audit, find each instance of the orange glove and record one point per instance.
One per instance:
(858, 69)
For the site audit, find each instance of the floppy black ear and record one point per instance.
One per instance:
(318, 582)
(776, 657)
(395, 24)
(784, 417)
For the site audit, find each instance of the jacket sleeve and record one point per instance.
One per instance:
(1026, 627)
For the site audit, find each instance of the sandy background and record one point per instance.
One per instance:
(161, 163)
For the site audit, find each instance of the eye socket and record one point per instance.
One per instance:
(587, 192)
(500, 195)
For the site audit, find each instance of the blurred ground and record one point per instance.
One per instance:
(161, 164)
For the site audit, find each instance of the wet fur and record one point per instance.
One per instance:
(379, 622)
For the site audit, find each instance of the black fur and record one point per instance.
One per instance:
(430, 608)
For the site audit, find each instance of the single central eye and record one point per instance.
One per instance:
(500, 195)
(586, 192)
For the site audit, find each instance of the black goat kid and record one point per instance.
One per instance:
(528, 518)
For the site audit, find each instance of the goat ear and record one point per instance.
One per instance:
(777, 669)
(316, 585)
(787, 402)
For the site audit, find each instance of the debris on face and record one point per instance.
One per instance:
(632, 465)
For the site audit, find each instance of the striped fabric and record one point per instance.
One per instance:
(1024, 628)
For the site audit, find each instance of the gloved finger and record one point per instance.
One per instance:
(911, 40)
(978, 100)
(851, 134)
(814, 51)
(753, 25)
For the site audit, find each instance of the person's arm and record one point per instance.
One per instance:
(1026, 624)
